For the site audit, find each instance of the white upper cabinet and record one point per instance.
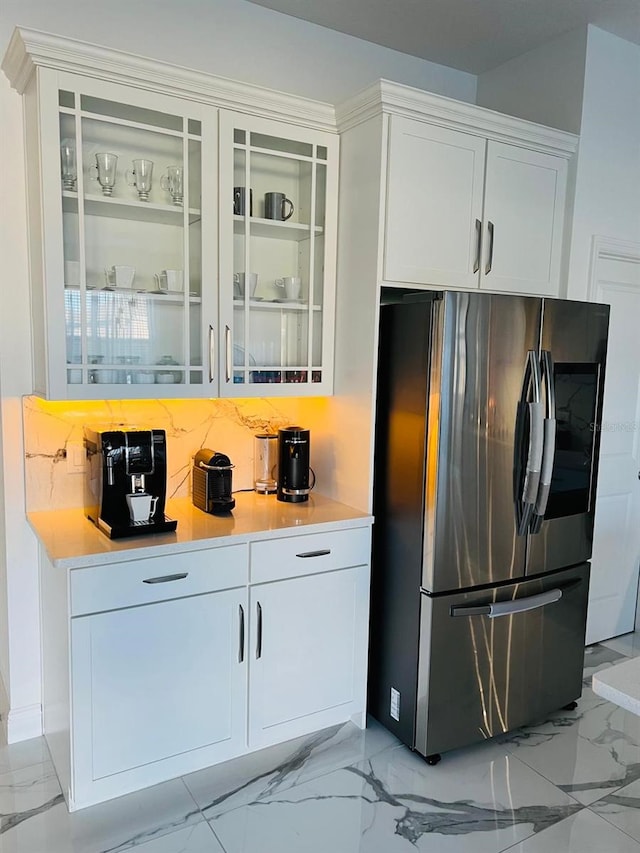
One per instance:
(138, 260)
(434, 204)
(466, 211)
(524, 205)
(129, 288)
(278, 216)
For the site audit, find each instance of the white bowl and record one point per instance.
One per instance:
(144, 378)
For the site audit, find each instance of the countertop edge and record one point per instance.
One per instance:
(101, 550)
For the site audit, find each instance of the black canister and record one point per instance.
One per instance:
(293, 464)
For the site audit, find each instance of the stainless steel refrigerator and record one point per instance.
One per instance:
(488, 409)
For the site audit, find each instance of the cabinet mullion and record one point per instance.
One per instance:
(82, 254)
(134, 125)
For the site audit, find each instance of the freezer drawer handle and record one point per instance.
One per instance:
(507, 608)
(167, 578)
(323, 552)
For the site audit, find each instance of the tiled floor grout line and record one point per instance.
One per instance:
(611, 823)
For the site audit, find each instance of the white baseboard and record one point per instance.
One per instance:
(23, 723)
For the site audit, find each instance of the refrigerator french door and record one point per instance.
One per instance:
(486, 459)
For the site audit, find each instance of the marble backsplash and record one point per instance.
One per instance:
(54, 430)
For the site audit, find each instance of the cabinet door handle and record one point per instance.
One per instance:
(180, 576)
(322, 553)
(227, 353)
(487, 269)
(259, 631)
(476, 263)
(241, 643)
(212, 353)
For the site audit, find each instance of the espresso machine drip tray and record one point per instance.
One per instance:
(137, 528)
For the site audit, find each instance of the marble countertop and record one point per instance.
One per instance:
(620, 684)
(72, 541)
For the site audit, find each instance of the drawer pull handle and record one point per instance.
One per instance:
(322, 553)
(259, 631)
(167, 578)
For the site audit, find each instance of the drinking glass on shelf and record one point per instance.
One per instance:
(173, 183)
(140, 177)
(68, 164)
(106, 167)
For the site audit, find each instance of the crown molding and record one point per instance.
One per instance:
(29, 50)
(387, 98)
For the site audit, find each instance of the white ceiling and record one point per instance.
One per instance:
(471, 35)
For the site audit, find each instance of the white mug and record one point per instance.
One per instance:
(239, 281)
(119, 275)
(291, 285)
(141, 506)
(169, 280)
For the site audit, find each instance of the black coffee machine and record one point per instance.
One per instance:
(211, 482)
(293, 464)
(126, 483)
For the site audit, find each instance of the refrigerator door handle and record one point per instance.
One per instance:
(508, 608)
(549, 450)
(532, 379)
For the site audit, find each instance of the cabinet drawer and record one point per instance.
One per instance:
(117, 585)
(275, 559)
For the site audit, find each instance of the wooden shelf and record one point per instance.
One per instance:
(274, 228)
(137, 211)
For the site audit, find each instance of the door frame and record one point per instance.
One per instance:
(624, 251)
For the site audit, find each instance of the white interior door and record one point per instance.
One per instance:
(616, 547)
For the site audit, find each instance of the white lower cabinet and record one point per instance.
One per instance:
(154, 682)
(310, 643)
(157, 667)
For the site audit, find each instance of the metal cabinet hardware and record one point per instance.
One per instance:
(490, 229)
(241, 643)
(227, 356)
(476, 263)
(259, 631)
(180, 576)
(212, 354)
(321, 553)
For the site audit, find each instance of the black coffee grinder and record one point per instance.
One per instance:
(126, 483)
(293, 464)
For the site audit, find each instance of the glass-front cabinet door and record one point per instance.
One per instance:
(278, 200)
(139, 255)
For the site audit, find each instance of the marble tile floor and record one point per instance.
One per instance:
(570, 784)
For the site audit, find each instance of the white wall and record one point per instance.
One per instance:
(607, 198)
(231, 38)
(18, 557)
(543, 85)
(236, 39)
